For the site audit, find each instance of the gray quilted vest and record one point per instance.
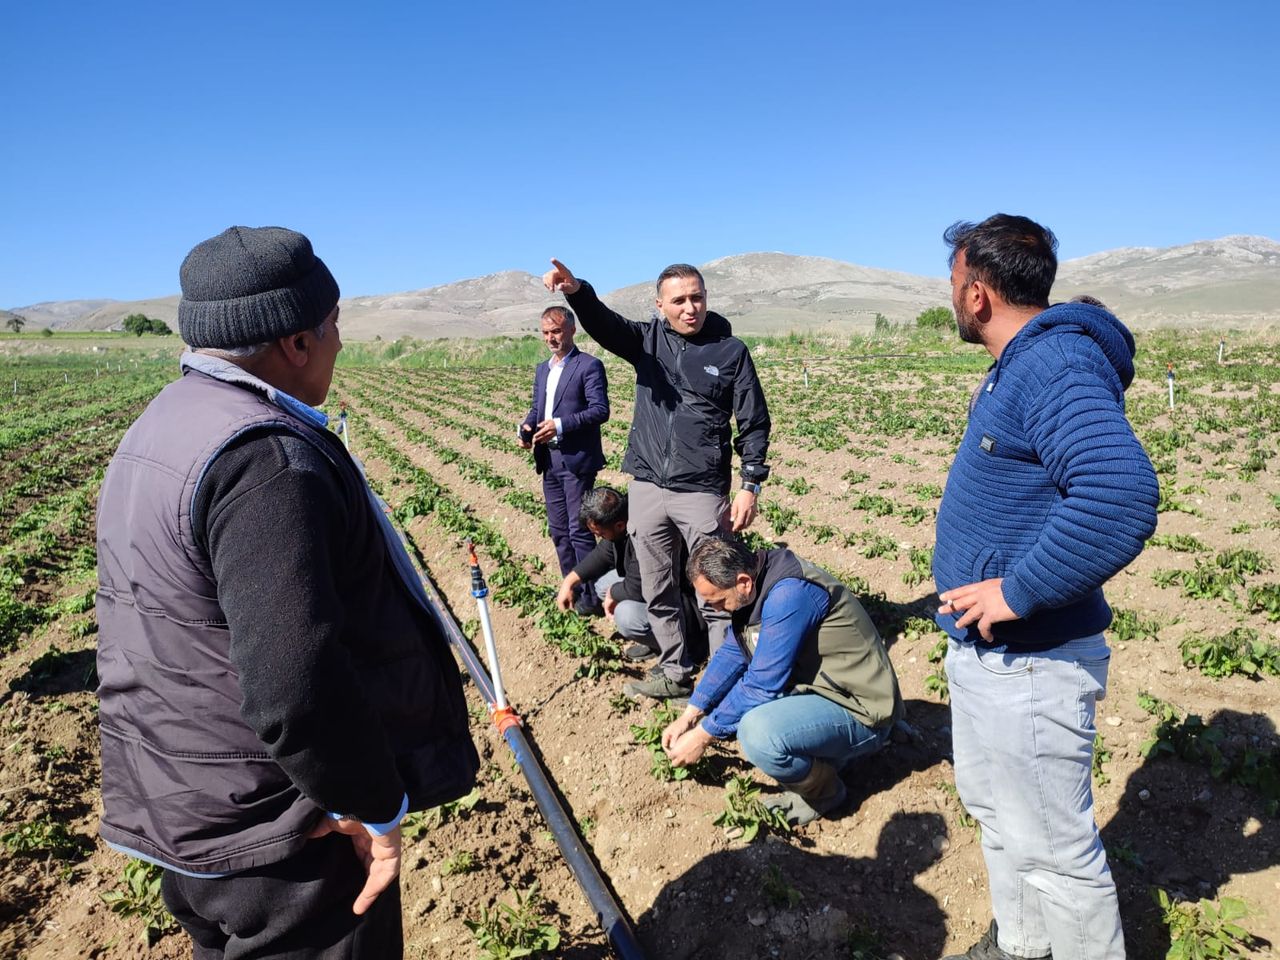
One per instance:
(185, 781)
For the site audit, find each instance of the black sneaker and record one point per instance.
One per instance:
(638, 652)
(588, 606)
(987, 949)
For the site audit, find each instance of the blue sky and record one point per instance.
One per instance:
(418, 144)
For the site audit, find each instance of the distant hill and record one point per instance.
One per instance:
(778, 292)
(1234, 281)
(508, 302)
(59, 314)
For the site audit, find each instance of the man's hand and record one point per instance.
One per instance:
(610, 604)
(560, 279)
(689, 747)
(982, 603)
(380, 856)
(742, 511)
(679, 727)
(564, 596)
(545, 432)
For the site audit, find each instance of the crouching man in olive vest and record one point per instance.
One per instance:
(806, 684)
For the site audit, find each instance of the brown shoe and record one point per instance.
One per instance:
(818, 794)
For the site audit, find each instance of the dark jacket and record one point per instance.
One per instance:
(1050, 489)
(262, 655)
(581, 403)
(687, 388)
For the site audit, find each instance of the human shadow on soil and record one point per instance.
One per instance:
(1179, 829)
(55, 673)
(772, 899)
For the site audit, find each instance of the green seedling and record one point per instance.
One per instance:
(921, 566)
(649, 735)
(463, 861)
(1237, 651)
(1204, 930)
(780, 518)
(1101, 757)
(508, 932)
(417, 824)
(43, 835)
(936, 682)
(744, 809)
(1129, 625)
(140, 897)
(777, 891)
(1265, 599)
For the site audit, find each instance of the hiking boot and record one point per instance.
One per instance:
(818, 794)
(987, 949)
(659, 687)
(638, 652)
(588, 605)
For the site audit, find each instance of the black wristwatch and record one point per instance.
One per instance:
(750, 487)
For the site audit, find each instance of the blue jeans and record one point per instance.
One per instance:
(783, 737)
(1022, 738)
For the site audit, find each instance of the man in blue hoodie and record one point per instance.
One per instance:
(1050, 495)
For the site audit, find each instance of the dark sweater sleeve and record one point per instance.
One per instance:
(274, 519)
(611, 330)
(596, 563)
(630, 587)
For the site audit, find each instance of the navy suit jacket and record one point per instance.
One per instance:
(581, 403)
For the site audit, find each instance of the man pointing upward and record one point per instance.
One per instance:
(692, 375)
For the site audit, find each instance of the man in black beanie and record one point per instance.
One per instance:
(276, 690)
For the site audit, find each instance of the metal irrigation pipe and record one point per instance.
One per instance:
(609, 913)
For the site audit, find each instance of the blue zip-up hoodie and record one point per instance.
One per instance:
(1050, 488)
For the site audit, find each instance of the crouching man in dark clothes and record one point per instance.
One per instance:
(615, 570)
(803, 679)
(276, 690)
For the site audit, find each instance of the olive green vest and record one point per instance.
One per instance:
(843, 658)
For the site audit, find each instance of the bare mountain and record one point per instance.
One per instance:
(778, 292)
(508, 302)
(110, 316)
(1234, 281)
(59, 314)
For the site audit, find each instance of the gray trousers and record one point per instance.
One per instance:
(658, 520)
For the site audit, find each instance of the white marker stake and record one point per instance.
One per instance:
(1170, 386)
(1221, 345)
(806, 377)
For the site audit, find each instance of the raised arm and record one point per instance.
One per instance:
(611, 330)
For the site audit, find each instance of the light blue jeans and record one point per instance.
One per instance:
(783, 737)
(1022, 738)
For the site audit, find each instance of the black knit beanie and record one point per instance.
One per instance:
(251, 285)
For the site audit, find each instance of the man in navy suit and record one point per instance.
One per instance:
(570, 401)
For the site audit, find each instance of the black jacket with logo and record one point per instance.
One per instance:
(687, 388)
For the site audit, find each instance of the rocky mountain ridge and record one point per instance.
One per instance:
(1233, 281)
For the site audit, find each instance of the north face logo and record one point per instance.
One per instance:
(714, 371)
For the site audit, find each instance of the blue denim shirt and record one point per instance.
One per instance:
(730, 687)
